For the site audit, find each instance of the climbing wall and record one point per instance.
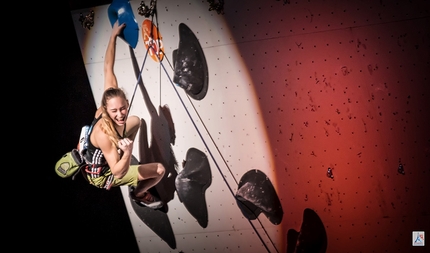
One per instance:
(328, 99)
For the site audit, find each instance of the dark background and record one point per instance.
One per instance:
(76, 217)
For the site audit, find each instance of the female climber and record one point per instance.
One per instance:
(110, 141)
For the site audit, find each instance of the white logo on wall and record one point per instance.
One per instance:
(418, 238)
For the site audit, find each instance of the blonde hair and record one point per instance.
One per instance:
(107, 124)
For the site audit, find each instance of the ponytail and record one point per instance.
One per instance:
(108, 128)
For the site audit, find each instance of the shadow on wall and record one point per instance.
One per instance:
(255, 194)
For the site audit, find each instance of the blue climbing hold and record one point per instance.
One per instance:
(121, 10)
